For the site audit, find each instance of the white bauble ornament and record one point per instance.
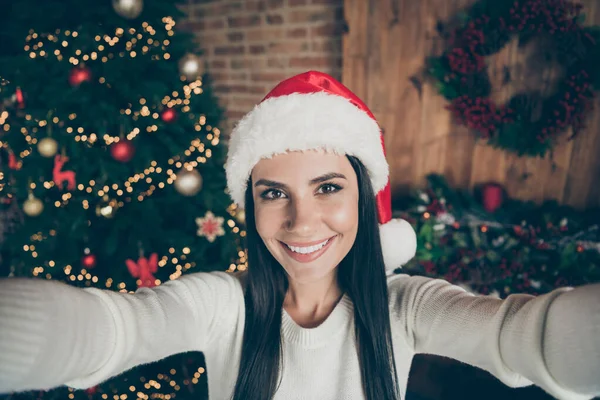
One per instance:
(47, 147)
(129, 9)
(33, 206)
(188, 183)
(191, 67)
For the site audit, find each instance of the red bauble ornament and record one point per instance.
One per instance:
(88, 261)
(20, 98)
(122, 151)
(169, 115)
(492, 196)
(92, 390)
(79, 75)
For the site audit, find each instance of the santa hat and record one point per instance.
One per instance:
(314, 111)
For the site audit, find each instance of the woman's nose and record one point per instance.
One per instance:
(303, 218)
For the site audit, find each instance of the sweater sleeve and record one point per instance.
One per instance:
(95, 334)
(549, 340)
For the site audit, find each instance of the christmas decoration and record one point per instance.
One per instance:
(526, 124)
(122, 151)
(210, 226)
(240, 215)
(143, 270)
(91, 391)
(129, 9)
(169, 115)
(188, 183)
(79, 75)
(107, 207)
(33, 206)
(89, 259)
(47, 147)
(521, 247)
(191, 67)
(492, 196)
(60, 176)
(13, 163)
(17, 100)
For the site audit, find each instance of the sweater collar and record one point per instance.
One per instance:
(340, 317)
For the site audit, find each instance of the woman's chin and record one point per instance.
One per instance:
(305, 274)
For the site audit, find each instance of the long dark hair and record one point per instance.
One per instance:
(361, 275)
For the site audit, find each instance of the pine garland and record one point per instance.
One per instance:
(521, 247)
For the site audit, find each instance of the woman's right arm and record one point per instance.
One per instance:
(53, 334)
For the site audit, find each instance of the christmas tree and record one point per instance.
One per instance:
(111, 162)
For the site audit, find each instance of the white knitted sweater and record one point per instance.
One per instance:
(552, 340)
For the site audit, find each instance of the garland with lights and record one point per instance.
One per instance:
(527, 124)
(513, 246)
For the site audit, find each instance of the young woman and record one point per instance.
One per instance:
(315, 317)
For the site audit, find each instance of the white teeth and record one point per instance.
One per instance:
(307, 250)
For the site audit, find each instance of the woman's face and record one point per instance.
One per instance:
(306, 211)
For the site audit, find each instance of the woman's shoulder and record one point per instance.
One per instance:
(221, 283)
(242, 278)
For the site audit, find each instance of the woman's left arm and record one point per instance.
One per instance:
(551, 340)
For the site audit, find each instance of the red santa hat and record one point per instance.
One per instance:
(314, 111)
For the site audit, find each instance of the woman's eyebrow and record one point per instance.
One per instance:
(314, 181)
(269, 183)
(327, 177)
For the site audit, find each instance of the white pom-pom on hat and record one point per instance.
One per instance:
(398, 242)
(312, 111)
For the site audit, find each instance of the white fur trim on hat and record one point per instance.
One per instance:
(299, 122)
(398, 242)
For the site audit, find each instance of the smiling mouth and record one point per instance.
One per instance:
(308, 253)
(308, 249)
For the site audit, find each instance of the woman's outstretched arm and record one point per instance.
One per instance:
(53, 334)
(551, 340)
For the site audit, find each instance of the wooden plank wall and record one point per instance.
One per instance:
(387, 44)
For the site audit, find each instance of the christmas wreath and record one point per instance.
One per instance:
(527, 124)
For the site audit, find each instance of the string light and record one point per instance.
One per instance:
(36, 44)
(117, 190)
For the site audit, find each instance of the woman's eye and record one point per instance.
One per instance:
(272, 194)
(329, 188)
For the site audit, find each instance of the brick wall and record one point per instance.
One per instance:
(251, 45)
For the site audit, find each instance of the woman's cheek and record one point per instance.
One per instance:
(268, 220)
(342, 216)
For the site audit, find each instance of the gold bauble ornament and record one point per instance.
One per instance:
(240, 215)
(188, 183)
(130, 9)
(107, 208)
(33, 206)
(191, 67)
(47, 147)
